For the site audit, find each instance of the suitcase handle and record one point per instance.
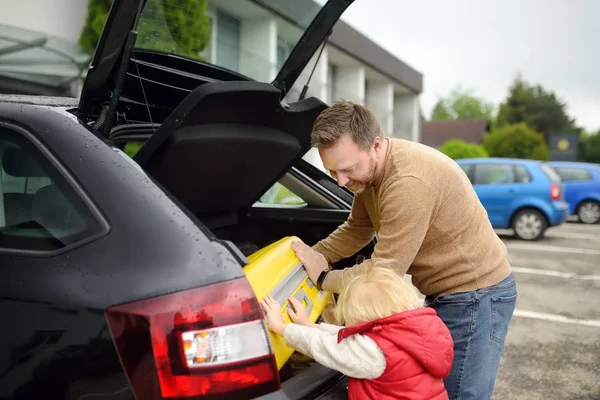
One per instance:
(303, 296)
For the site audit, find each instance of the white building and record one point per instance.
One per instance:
(247, 36)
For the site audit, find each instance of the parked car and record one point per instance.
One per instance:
(582, 188)
(523, 195)
(109, 263)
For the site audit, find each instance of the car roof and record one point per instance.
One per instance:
(573, 164)
(498, 160)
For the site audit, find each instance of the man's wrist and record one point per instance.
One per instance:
(321, 278)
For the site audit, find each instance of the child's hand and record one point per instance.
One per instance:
(300, 316)
(274, 315)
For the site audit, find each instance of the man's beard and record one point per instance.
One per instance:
(357, 187)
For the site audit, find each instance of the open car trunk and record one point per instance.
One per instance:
(241, 221)
(214, 139)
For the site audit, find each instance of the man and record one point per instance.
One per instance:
(427, 216)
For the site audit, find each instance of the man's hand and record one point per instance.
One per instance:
(313, 261)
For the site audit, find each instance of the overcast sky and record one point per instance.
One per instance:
(482, 44)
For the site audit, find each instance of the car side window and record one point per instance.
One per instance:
(493, 174)
(279, 194)
(522, 174)
(573, 174)
(39, 210)
(467, 168)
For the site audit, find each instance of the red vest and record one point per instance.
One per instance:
(418, 350)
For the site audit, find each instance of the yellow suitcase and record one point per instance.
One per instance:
(276, 270)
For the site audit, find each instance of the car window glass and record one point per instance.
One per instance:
(466, 168)
(573, 174)
(521, 174)
(494, 174)
(550, 173)
(39, 210)
(279, 194)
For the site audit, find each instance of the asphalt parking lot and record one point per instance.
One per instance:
(553, 346)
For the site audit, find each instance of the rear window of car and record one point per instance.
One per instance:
(39, 209)
(568, 174)
(550, 173)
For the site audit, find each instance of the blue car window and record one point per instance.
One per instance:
(494, 174)
(573, 174)
(521, 174)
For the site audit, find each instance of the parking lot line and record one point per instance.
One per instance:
(544, 247)
(572, 235)
(556, 318)
(557, 274)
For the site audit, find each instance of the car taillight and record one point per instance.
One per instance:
(208, 341)
(554, 192)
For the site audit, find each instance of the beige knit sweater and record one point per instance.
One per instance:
(428, 217)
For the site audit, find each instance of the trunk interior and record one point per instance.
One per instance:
(259, 228)
(252, 228)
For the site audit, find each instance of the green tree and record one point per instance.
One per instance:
(94, 22)
(462, 104)
(539, 108)
(171, 26)
(589, 148)
(457, 149)
(516, 141)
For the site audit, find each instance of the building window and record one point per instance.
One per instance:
(210, 51)
(331, 82)
(283, 52)
(227, 40)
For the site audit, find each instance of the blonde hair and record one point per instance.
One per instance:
(378, 292)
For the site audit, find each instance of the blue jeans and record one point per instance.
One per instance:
(478, 322)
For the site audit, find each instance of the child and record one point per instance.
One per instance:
(392, 347)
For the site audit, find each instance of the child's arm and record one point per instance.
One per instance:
(329, 327)
(357, 356)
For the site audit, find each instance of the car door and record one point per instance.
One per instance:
(47, 336)
(496, 187)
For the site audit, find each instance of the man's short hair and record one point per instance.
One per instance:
(346, 118)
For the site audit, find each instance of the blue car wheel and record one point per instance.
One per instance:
(529, 224)
(589, 212)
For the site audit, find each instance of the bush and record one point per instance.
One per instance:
(516, 141)
(589, 148)
(457, 149)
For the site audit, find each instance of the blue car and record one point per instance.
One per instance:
(582, 188)
(523, 195)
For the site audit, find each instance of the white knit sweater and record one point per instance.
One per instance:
(357, 356)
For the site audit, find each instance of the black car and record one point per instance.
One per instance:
(110, 265)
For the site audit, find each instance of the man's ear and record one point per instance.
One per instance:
(377, 144)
